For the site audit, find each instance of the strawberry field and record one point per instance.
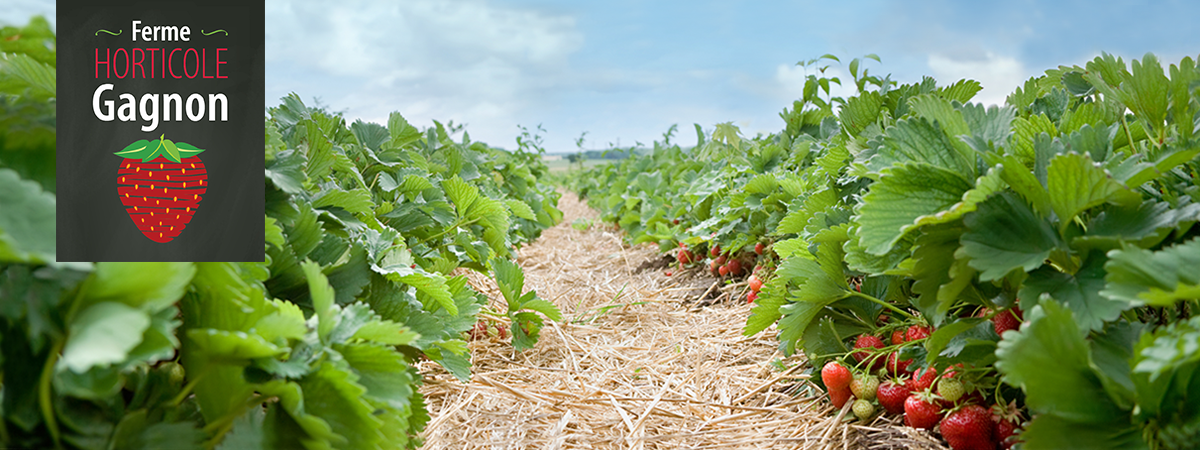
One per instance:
(1021, 275)
(896, 268)
(370, 229)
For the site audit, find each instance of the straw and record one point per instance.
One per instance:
(640, 361)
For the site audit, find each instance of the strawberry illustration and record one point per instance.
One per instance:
(161, 184)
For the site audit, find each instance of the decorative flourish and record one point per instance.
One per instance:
(118, 33)
(214, 32)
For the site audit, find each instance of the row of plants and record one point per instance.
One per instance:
(1028, 269)
(369, 228)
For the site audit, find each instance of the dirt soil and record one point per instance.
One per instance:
(641, 360)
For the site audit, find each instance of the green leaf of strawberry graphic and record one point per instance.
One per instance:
(161, 184)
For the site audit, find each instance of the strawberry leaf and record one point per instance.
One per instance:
(133, 149)
(1159, 278)
(27, 220)
(170, 151)
(1050, 360)
(187, 150)
(1005, 234)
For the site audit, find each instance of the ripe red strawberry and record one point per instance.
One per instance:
(751, 297)
(1008, 421)
(891, 396)
(922, 380)
(483, 329)
(161, 184)
(865, 386)
(723, 270)
(735, 267)
(685, 256)
(716, 250)
(759, 248)
(755, 283)
(895, 366)
(836, 376)
(916, 332)
(867, 341)
(921, 410)
(1009, 319)
(969, 428)
(897, 336)
(839, 396)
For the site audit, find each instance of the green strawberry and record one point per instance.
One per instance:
(950, 389)
(863, 409)
(864, 386)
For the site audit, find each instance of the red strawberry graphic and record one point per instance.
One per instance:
(161, 183)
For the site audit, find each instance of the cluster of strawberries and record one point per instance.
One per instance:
(925, 399)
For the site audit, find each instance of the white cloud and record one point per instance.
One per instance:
(999, 75)
(467, 61)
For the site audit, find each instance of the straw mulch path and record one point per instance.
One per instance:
(641, 360)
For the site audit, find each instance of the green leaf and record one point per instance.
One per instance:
(40, 76)
(1071, 390)
(102, 334)
(402, 134)
(511, 280)
(335, 396)
(520, 209)
(1144, 224)
(248, 433)
(274, 233)
(232, 345)
(433, 285)
(1077, 184)
(322, 298)
(1161, 278)
(1145, 91)
(382, 371)
(287, 171)
(357, 201)
(766, 308)
(1080, 292)
(961, 91)
(1005, 234)
(27, 220)
(934, 255)
(133, 149)
(150, 286)
(944, 334)
(859, 112)
(187, 150)
(905, 196)
(543, 306)
(919, 140)
(938, 109)
(171, 152)
(1053, 432)
(1024, 182)
(1020, 143)
(762, 184)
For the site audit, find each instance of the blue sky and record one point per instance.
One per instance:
(626, 70)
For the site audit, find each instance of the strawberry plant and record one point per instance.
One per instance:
(977, 239)
(368, 230)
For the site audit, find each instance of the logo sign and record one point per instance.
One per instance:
(160, 131)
